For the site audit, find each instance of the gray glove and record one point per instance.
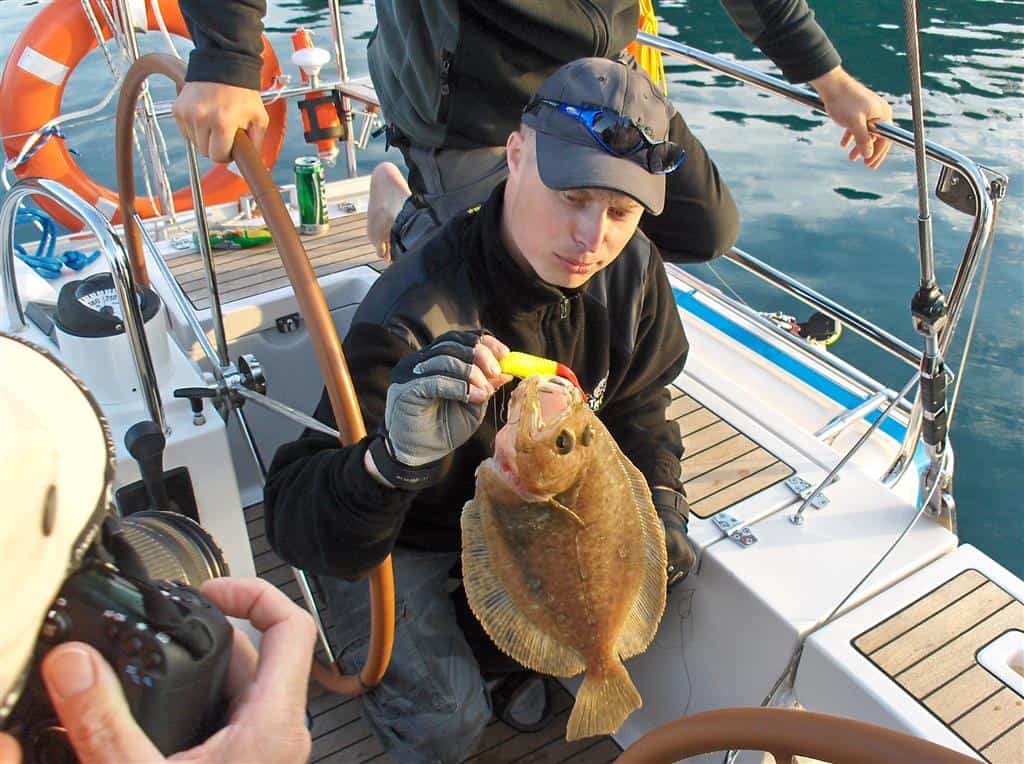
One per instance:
(428, 414)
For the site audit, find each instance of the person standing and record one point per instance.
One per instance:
(452, 77)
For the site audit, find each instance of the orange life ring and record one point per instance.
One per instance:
(32, 87)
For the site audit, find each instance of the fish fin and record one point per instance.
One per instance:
(502, 619)
(603, 703)
(642, 621)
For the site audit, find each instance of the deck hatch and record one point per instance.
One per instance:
(930, 649)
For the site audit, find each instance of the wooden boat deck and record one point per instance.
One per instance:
(930, 648)
(722, 467)
(245, 273)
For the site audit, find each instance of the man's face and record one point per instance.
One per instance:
(564, 236)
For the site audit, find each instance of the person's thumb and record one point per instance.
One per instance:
(91, 705)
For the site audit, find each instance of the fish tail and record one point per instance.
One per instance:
(604, 701)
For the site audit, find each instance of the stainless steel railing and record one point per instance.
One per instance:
(981, 229)
(120, 268)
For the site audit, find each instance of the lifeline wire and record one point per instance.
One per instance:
(797, 518)
(159, 16)
(974, 319)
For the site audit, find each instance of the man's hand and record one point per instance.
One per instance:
(210, 113)
(674, 513)
(436, 401)
(267, 689)
(855, 107)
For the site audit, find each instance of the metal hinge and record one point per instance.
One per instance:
(803, 489)
(734, 529)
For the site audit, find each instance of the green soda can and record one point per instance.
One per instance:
(309, 183)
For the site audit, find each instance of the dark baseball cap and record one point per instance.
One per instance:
(568, 156)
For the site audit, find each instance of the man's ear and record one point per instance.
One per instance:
(514, 152)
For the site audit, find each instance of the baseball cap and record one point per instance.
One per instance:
(569, 156)
(56, 468)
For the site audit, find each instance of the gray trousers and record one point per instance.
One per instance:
(453, 180)
(432, 704)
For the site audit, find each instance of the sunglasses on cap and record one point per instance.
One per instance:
(620, 136)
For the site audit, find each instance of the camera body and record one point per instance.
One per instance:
(169, 646)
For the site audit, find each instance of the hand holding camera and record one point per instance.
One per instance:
(106, 652)
(266, 691)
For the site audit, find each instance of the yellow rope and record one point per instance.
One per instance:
(649, 60)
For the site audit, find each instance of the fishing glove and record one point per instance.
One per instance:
(674, 513)
(428, 414)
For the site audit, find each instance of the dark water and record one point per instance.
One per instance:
(846, 231)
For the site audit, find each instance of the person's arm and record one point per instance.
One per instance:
(267, 689)
(855, 107)
(787, 32)
(324, 512)
(221, 93)
(228, 38)
(338, 511)
(700, 220)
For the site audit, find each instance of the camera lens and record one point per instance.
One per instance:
(171, 546)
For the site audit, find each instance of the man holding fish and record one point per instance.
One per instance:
(553, 265)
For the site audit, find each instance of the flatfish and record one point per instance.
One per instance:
(563, 554)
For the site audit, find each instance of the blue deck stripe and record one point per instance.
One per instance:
(784, 361)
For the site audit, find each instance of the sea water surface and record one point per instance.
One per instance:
(846, 231)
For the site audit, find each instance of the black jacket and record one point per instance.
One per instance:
(620, 333)
(456, 73)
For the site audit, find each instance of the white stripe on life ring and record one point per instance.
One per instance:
(42, 66)
(106, 207)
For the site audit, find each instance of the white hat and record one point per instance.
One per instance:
(56, 465)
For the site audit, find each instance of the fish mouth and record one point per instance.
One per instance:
(508, 474)
(545, 403)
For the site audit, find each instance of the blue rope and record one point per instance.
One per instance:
(44, 262)
(48, 133)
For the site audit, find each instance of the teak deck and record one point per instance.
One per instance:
(722, 466)
(929, 648)
(244, 273)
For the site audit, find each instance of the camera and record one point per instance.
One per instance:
(124, 585)
(169, 646)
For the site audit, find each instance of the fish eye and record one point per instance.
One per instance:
(587, 436)
(565, 442)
